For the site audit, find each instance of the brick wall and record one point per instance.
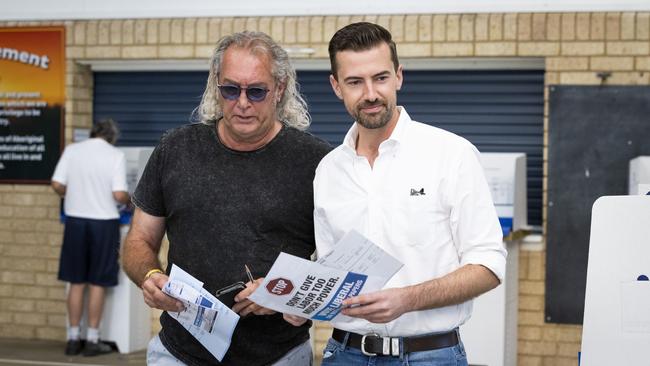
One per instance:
(574, 45)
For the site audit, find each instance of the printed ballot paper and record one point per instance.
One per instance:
(316, 290)
(206, 318)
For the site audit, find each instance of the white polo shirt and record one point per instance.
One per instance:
(425, 201)
(91, 170)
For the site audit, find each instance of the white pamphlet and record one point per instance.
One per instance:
(205, 317)
(316, 290)
(356, 253)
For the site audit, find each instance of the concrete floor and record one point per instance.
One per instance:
(50, 353)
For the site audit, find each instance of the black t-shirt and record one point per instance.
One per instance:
(226, 208)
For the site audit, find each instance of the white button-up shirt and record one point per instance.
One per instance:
(425, 201)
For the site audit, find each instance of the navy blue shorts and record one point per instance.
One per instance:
(90, 251)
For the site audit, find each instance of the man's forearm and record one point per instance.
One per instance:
(142, 244)
(137, 259)
(121, 197)
(456, 287)
(59, 188)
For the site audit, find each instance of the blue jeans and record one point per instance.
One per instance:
(336, 354)
(158, 355)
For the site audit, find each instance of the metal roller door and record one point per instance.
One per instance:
(498, 111)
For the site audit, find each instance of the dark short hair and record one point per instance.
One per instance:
(106, 129)
(360, 36)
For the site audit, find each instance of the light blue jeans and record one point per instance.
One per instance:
(158, 355)
(336, 354)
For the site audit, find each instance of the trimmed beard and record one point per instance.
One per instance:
(375, 121)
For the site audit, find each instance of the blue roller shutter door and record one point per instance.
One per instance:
(498, 111)
(146, 104)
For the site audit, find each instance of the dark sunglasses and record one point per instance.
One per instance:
(253, 93)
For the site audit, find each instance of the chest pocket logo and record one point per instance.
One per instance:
(420, 220)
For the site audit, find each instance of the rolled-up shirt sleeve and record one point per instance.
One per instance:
(474, 222)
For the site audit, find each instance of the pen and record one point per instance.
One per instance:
(249, 274)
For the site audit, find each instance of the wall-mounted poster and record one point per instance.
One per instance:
(32, 99)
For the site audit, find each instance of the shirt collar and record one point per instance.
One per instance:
(98, 140)
(396, 137)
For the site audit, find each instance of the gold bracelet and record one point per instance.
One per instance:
(151, 272)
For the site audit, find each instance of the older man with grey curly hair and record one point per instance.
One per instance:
(233, 190)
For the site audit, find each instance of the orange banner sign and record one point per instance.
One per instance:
(32, 99)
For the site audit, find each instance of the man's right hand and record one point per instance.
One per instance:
(155, 298)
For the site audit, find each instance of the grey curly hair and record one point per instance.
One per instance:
(291, 109)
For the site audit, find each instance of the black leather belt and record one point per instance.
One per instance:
(374, 344)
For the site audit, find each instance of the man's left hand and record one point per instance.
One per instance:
(243, 306)
(294, 320)
(378, 307)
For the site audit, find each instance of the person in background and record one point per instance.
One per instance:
(231, 191)
(91, 178)
(420, 194)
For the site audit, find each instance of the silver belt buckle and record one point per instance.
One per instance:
(363, 344)
(394, 346)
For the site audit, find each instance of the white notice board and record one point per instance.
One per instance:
(616, 327)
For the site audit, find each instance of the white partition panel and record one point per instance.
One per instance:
(616, 327)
